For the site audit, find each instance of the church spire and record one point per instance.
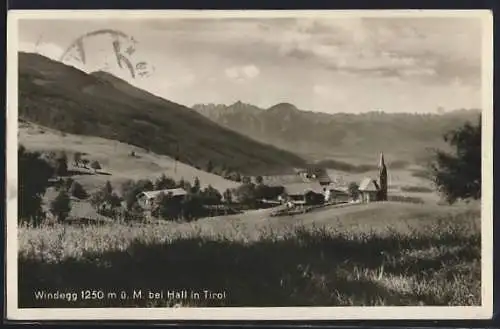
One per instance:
(381, 163)
(382, 178)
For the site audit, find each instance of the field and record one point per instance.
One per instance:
(385, 253)
(374, 254)
(115, 159)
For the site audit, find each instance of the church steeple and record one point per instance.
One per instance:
(382, 178)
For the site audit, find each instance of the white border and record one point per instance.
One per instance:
(279, 313)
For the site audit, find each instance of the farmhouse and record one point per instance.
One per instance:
(304, 193)
(335, 194)
(368, 190)
(146, 199)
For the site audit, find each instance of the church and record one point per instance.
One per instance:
(370, 190)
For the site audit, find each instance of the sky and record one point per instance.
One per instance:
(325, 64)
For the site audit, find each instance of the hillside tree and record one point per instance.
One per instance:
(34, 174)
(77, 157)
(61, 165)
(167, 207)
(95, 165)
(164, 183)
(196, 185)
(210, 166)
(105, 201)
(60, 207)
(228, 196)
(211, 196)
(353, 190)
(246, 180)
(246, 194)
(457, 176)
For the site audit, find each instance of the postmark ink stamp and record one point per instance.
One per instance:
(123, 48)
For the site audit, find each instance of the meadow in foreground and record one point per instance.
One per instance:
(399, 254)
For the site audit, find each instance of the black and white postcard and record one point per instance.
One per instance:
(249, 165)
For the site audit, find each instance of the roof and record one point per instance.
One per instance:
(368, 185)
(303, 188)
(337, 191)
(282, 180)
(337, 187)
(173, 192)
(324, 178)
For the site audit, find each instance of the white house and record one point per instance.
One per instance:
(368, 190)
(146, 199)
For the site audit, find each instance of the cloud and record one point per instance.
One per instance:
(321, 89)
(418, 48)
(330, 93)
(242, 73)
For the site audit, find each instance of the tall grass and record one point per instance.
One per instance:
(436, 263)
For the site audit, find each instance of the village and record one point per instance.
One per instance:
(303, 191)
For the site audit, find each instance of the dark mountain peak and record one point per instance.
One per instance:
(239, 105)
(283, 107)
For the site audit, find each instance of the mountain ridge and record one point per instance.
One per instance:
(320, 136)
(99, 104)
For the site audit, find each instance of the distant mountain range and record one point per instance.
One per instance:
(62, 97)
(321, 136)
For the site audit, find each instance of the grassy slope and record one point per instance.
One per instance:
(375, 254)
(64, 98)
(115, 160)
